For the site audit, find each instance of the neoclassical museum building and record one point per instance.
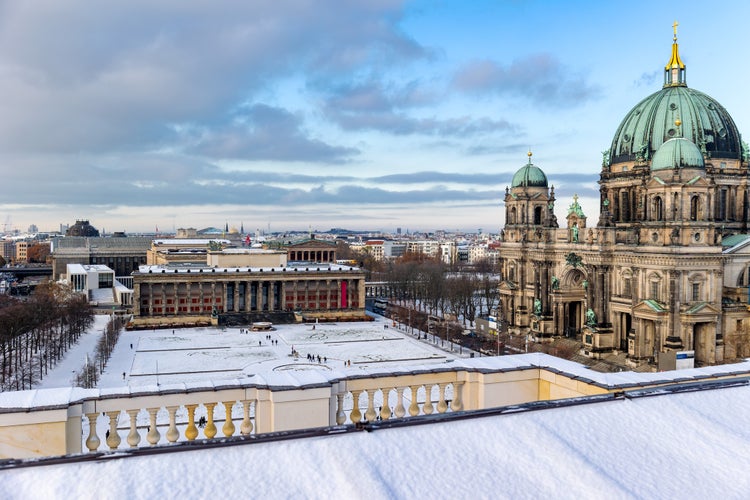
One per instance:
(664, 271)
(241, 285)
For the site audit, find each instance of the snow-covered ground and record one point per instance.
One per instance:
(199, 354)
(692, 445)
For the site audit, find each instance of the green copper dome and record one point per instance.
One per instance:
(677, 153)
(651, 122)
(529, 176)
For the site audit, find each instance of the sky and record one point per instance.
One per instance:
(297, 114)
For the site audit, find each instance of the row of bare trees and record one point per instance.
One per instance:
(88, 376)
(35, 333)
(429, 285)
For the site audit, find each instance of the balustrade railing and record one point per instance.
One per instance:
(52, 422)
(133, 426)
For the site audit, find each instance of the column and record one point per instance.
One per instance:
(236, 300)
(259, 296)
(150, 299)
(271, 288)
(282, 294)
(328, 295)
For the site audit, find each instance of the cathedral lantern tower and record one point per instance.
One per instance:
(529, 205)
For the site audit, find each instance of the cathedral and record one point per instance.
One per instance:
(664, 270)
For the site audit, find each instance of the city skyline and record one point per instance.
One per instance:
(363, 115)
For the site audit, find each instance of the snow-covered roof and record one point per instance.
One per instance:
(153, 269)
(690, 445)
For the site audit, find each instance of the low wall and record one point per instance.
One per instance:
(52, 422)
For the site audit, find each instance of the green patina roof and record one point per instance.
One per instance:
(697, 307)
(735, 239)
(651, 123)
(654, 305)
(575, 207)
(529, 176)
(677, 153)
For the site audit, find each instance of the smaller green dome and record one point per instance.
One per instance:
(677, 153)
(529, 176)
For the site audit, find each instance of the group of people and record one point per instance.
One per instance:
(312, 357)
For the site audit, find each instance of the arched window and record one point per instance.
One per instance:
(695, 207)
(537, 216)
(513, 215)
(658, 208)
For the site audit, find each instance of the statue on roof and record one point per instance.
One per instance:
(575, 207)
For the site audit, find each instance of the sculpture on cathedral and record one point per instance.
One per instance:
(575, 233)
(573, 260)
(555, 283)
(590, 317)
(537, 307)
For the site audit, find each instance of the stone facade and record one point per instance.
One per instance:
(653, 275)
(172, 295)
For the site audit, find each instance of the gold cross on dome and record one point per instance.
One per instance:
(674, 27)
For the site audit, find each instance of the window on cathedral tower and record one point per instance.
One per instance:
(626, 292)
(658, 208)
(654, 290)
(696, 292)
(694, 207)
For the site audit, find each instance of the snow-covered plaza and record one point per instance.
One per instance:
(155, 357)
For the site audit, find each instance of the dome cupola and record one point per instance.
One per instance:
(650, 123)
(529, 176)
(677, 153)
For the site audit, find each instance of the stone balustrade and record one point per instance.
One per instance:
(52, 422)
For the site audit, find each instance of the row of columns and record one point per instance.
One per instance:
(257, 296)
(312, 255)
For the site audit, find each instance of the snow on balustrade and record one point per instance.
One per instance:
(168, 424)
(63, 421)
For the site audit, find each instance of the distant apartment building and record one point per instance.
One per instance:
(431, 248)
(22, 251)
(8, 250)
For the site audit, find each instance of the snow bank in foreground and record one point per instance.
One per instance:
(684, 445)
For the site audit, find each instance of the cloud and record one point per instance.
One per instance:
(540, 78)
(647, 79)
(263, 132)
(76, 79)
(372, 105)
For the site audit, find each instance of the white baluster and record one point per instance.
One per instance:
(340, 415)
(246, 427)
(113, 439)
(414, 407)
(355, 416)
(399, 411)
(370, 414)
(92, 441)
(172, 433)
(133, 437)
(442, 405)
(385, 410)
(153, 435)
(427, 408)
